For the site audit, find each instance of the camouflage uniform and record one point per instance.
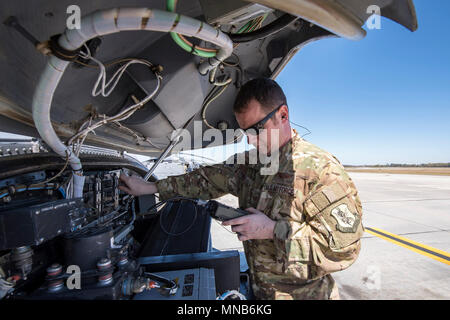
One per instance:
(316, 208)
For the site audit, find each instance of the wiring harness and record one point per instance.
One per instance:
(106, 88)
(208, 52)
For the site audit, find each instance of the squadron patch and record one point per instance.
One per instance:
(346, 220)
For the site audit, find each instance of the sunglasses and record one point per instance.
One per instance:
(260, 124)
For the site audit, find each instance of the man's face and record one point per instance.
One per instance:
(253, 113)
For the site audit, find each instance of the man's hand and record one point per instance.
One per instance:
(136, 186)
(253, 226)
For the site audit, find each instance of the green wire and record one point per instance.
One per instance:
(170, 5)
(249, 26)
(245, 27)
(264, 17)
(181, 43)
(252, 28)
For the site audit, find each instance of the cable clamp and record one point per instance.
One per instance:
(157, 69)
(60, 52)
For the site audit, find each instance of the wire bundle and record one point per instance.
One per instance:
(185, 44)
(106, 88)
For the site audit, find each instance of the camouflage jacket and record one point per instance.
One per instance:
(316, 208)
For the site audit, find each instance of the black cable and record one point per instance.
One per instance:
(268, 30)
(169, 285)
(309, 132)
(159, 204)
(187, 229)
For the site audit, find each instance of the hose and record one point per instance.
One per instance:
(42, 99)
(268, 30)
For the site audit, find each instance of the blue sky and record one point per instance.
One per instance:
(384, 99)
(380, 100)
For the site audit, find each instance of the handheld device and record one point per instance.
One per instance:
(222, 212)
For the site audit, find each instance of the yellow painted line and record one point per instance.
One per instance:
(428, 251)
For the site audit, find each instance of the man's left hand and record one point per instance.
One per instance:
(256, 225)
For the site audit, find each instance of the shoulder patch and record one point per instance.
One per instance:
(347, 221)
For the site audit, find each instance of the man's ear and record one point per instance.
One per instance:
(284, 113)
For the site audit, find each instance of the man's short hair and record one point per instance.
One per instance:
(266, 91)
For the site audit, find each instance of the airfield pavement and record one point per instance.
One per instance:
(406, 248)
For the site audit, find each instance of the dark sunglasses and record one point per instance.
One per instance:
(260, 124)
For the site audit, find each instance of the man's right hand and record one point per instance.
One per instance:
(136, 186)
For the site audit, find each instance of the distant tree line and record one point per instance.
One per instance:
(423, 165)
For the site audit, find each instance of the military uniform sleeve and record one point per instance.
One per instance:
(322, 233)
(204, 183)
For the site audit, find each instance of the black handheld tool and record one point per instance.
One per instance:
(222, 212)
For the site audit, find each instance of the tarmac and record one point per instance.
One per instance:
(405, 251)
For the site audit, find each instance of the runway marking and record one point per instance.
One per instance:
(428, 251)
